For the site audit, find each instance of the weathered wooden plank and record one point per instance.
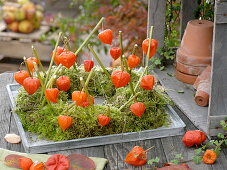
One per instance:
(220, 164)
(55, 7)
(13, 129)
(5, 107)
(220, 12)
(214, 125)
(174, 145)
(184, 101)
(156, 17)
(218, 99)
(18, 49)
(116, 153)
(188, 8)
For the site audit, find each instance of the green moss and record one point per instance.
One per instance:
(43, 120)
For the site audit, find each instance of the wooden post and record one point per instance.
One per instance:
(157, 17)
(218, 100)
(188, 8)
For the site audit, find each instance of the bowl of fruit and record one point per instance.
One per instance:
(23, 16)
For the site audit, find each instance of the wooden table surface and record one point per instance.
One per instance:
(165, 148)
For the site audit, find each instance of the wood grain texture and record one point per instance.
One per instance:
(218, 99)
(174, 145)
(5, 114)
(156, 18)
(185, 101)
(220, 12)
(188, 8)
(55, 7)
(19, 49)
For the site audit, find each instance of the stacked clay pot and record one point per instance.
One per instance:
(195, 52)
(202, 85)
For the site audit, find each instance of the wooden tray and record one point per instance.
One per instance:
(32, 144)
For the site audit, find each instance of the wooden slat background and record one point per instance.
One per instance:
(218, 98)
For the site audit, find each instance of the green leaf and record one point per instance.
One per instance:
(180, 91)
(216, 142)
(179, 156)
(225, 141)
(169, 74)
(222, 123)
(175, 161)
(198, 151)
(162, 68)
(197, 159)
(152, 161)
(221, 136)
(217, 150)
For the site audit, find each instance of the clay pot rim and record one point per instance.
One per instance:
(184, 53)
(201, 23)
(192, 65)
(189, 69)
(185, 78)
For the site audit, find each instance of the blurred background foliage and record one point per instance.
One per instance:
(129, 16)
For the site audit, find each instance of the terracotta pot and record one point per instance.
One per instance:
(203, 77)
(202, 84)
(188, 69)
(202, 98)
(193, 61)
(196, 45)
(186, 78)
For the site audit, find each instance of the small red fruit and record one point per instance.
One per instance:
(133, 61)
(103, 120)
(20, 76)
(106, 36)
(147, 82)
(115, 52)
(25, 163)
(137, 156)
(57, 162)
(64, 122)
(52, 94)
(67, 58)
(63, 83)
(31, 84)
(138, 109)
(120, 78)
(154, 45)
(30, 61)
(88, 65)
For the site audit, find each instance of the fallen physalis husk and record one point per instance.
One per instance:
(12, 138)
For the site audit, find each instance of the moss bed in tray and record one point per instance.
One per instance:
(40, 116)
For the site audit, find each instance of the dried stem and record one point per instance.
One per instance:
(26, 64)
(38, 58)
(52, 59)
(98, 60)
(88, 78)
(134, 49)
(89, 36)
(86, 90)
(130, 99)
(122, 49)
(149, 48)
(126, 66)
